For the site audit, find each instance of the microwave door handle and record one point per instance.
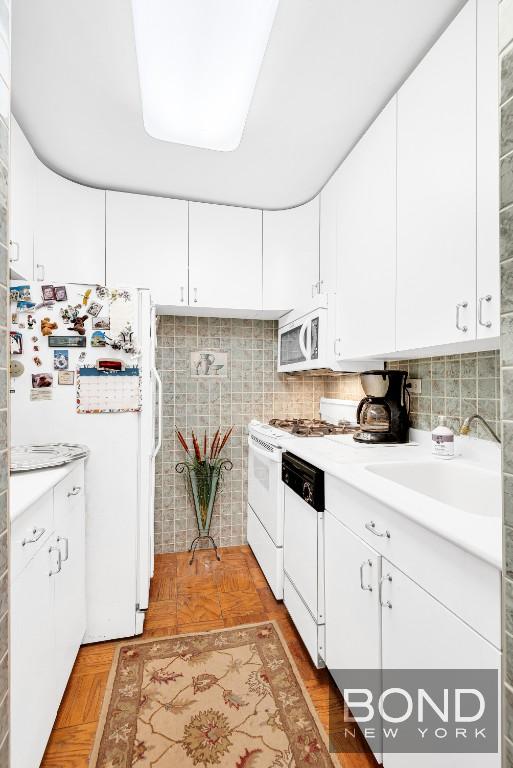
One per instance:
(302, 344)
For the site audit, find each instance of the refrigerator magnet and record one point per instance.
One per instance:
(48, 292)
(60, 359)
(16, 343)
(60, 293)
(101, 323)
(40, 394)
(37, 361)
(98, 339)
(19, 293)
(42, 380)
(66, 377)
(94, 308)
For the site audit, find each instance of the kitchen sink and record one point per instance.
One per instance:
(477, 491)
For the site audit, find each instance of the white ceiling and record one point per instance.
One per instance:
(330, 66)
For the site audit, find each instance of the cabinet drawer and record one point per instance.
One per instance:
(312, 634)
(30, 531)
(70, 491)
(465, 584)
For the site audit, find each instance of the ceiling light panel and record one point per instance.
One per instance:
(199, 61)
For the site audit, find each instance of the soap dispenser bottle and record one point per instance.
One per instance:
(442, 440)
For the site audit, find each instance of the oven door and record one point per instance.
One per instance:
(301, 345)
(265, 489)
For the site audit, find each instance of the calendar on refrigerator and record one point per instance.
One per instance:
(101, 391)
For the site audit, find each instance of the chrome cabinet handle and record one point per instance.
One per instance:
(195, 295)
(459, 307)
(372, 528)
(387, 603)
(66, 543)
(59, 560)
(335, 346)
(365, 587)
(76, 490)
(36, 535)
(17, 250)
(41, 268)
(181, 294)
(484, 323)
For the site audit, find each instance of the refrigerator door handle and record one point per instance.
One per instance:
(159, 388)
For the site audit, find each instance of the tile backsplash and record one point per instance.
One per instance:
(456, 386)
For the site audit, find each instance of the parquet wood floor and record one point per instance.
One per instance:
(183, 598)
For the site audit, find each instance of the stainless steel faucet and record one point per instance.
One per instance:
(465, 427)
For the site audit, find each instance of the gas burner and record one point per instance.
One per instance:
(313, 427)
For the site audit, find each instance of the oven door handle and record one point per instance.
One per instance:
(302, 345)
(276, 457)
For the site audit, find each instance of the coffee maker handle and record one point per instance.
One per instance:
(360, 406)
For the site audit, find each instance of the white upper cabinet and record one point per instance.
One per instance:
(488, 273)
(69, 240)
(225, 257)
(146, 245)
(436, 192)
(22, 209)
(366, 243)
(291, 256)
(328, 250)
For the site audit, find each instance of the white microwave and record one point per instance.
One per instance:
(303, 339)
(306, 340)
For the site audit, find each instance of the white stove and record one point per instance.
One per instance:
(265, 509)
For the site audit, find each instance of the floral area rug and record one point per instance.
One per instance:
(229, 697)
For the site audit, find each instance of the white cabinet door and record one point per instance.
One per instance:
(488, 261)
(436, 192)
(328, 247)
(33, 693)
(352, 573)
(69, 241)
(420, 633)
(291, 256)
(22, 208)
(366, 237)
(353, 632)
(146, 245)
(70, 596)
(225, 257)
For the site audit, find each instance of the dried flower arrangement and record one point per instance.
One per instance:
(204, 470)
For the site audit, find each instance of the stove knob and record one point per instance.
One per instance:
(286, 477)
(307, 493)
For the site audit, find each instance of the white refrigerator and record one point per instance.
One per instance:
(120, 467)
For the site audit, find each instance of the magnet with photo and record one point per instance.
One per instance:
(60, 359)
(25, 306)
(48, 292)
(61, 293)
(20, 293)
(94, 308)
(42, 380)
(101, 323)
(98, 339)
(66, 377)
(16, 343)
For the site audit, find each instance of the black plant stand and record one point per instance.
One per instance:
(195, 543)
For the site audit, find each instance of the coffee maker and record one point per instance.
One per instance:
(383, 415)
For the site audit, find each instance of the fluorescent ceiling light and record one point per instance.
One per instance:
(198, 65)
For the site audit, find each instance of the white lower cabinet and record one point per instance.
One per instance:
(418, 632)
(47, 619)
(379, 618)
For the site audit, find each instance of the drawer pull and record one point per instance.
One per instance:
(36, 535)
(387, 603)
(365, 587)
(66, 544)
(76, 490)
(59, 560)
(372, 528)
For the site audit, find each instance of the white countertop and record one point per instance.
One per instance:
(347, 461)
(27, 487)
